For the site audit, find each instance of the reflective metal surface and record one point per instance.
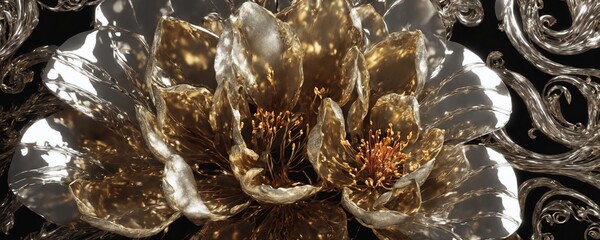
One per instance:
(68, 167)
(122, 79)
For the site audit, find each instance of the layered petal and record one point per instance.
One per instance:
(249, 169)
(422, 155)
(372, 23)
(314, 220)
(70, 166)
(99, 73)
(192, 190)
(268, 57)
(472, 191)
(397, 64)
(130, 204)
(324, 48)
(368, 216)
(398, 112)
(183, 54)
(417, 15)
(466, 98)
(328, 149)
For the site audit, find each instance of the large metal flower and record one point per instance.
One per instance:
(202, 112)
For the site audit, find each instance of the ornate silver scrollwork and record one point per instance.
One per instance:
(467, 12)
(528, 30)
(559, 205)
(68, 5)
(581, 162)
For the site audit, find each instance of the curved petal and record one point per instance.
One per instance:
(313, 220)
(70, 166)
(183, 54)
(399, 112)
(327, 147)
(248, 168)
(181, 187)
(99, 73)
(325, 49)
(354, 72)
(227, 112)
(129, 204)
(222, 194)
(422, 154)
(466, 98)
(268, 56)
(135, 16)
(252, 184)
(472, 190)
(371, 218)
(372, 23)
(397, 64)
(413, 15)
(379, 207)
(360, 101)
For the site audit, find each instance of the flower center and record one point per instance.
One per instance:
(381, 157)
(279, 139)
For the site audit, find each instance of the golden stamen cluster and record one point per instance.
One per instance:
(285, 128)
(381, 157)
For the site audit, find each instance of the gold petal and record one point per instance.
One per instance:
(405, 199)
(425, 149)
(443, 176)
(253, 184)
(179, 183)
(310, 221)
(213, 23)
(399, 112)
(324, 48)
(183, 54)
(129, 204)
(366, 197)
(360, 96)
(398, 64)
(226, 115)
(372, 23)
(222, 194)
(183, 116)
(363, 208)
(268, 56)
(327, 147)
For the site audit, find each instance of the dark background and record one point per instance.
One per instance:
(55, 28)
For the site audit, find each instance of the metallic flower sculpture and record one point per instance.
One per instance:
(270, 120)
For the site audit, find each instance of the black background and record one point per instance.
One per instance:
(55, 28)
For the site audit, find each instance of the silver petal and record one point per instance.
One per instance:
(70, 147)
(373, 219)
(99, 73)
(412, 15)
(466, 98)
(136, 16)
(472, 191)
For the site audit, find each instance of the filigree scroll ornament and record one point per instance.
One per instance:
(581, 162)
(467, 12)
(559, 205)
(68, 5)
(525, 34)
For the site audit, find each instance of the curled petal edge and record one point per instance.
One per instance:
(372, 219)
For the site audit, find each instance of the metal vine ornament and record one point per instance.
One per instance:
(270, 120)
